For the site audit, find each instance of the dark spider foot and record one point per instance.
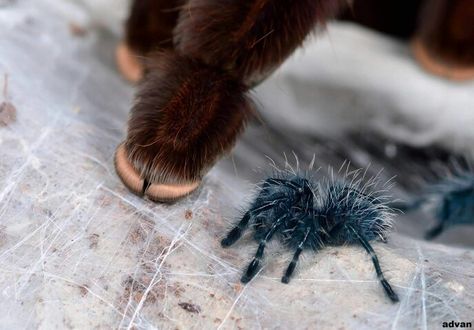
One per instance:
(390, 293)
(433, 233)
(245, 279)
(251, 271)
(232, 237)
(291, 268)
(285, 279)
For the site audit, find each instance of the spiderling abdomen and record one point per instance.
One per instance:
(345, 205)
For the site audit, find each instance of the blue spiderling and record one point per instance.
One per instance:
(453, 200)
(309, 216)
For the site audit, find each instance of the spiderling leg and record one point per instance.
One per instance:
(436, 231)
(253, 266)
(446, 211)
(309, 228)
(294, 261)
(238, 230)
(388, 289)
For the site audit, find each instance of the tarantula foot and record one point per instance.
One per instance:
(390, 293)
(154, 191)
(245, 279)
(435, 232)
(128, 63)
(231, 237)
(251, 271)
(226, 242)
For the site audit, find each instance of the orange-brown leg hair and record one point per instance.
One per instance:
(444, 44)
(248, 38)
(148, 28)
(192, 103)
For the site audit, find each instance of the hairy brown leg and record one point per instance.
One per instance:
(192, 103)
(148, 28)
(248, 38)
(151, 23)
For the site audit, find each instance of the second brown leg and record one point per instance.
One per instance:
(149, 27)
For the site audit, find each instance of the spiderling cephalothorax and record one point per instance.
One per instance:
(309, 216)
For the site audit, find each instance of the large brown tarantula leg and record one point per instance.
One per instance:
(444, 44)
(191, 104)
(249, 38)
(186, 114)
(149, 27)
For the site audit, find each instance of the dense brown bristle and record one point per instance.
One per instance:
(185, 116)
(150, 24)
(248, 38)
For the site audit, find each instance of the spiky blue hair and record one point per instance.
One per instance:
(367, 211)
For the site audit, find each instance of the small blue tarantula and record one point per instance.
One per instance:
(309, 216)
(452, 199)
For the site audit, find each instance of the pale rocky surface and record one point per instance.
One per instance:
(77, 250)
